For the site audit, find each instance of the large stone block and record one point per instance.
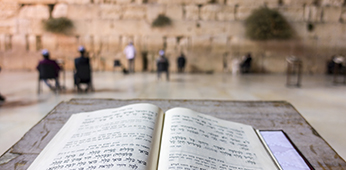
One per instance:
(104, 44)
(183, 1)
(338, 3)
(60, 10)
(178, 28)
(105, 1)
(79, 2)
(32, 43)
(2, 42)
(135, 12)
(219, 43)
(201, 42)
(114, 43)
(154, 43)
(37, 1)
(24, 26)
(97, 44)
(209, 12)
(7, 26)
(154, 10)
(313, 13)
(171, 43)
(19, 43)
(175, 12)
(128, 27)
(8, 9)
(214, 28)
(298, 2)
(257, 3)
(83, 27)
(301, 30)
(123, 1)
(34, 12)
(49, 42)
(331, 14)
(137, 41)
(110, 11)
(191, 12)
(83, 12)
(36, 26)
(226, 13)
(67, 43)
(8, 42)
(330, 31)
(242, 12)
(30, 26)
(292, 13)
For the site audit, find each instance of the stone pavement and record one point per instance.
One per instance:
(321, 103)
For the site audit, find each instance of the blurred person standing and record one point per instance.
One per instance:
(162, 65)
(130, 53)
(245, 65)
(181, 61)
(82, 73)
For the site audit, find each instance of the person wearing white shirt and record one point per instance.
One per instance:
(130, 53)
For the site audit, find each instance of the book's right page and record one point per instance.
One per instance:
(192, 140)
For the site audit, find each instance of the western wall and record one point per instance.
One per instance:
(211, 33)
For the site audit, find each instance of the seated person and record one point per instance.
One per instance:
(245, 65)
(162, 65)
(82, 73)
(49, 69)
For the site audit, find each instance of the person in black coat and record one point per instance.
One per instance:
(162, 65)
(245, 66)
(181, 62)
(82, 73)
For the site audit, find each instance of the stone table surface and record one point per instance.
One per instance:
(263, 115)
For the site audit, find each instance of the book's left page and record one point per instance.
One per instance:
(121, 138)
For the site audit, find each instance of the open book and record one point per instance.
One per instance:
(142, 137)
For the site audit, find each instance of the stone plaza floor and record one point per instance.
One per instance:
(322, 103)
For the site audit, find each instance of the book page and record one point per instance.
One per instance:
(123, 138)
(191, 140)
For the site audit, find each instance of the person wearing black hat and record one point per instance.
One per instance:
(47, 62)
(82, 70)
